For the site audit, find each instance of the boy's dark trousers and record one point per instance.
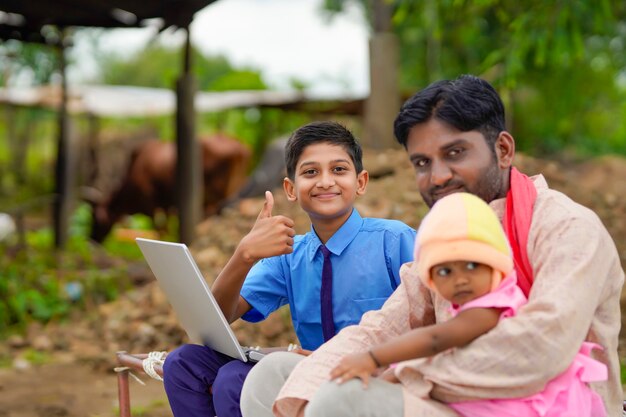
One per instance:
(191, 370)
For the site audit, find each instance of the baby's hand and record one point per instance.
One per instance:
(359, 365)
(390, 376)
(300, 351)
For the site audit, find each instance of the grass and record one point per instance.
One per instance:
(37, 357)
(40, 284)
(143, 410)
(5, 361)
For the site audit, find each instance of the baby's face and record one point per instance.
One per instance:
(461, 281)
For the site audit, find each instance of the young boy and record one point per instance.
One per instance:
(320, 274)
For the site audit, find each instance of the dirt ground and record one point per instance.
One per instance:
(78, 379)
(76, 389)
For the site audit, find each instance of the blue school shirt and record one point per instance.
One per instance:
(366, 255)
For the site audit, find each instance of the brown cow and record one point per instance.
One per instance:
(149, 183)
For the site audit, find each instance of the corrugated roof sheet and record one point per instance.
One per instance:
(127, 101)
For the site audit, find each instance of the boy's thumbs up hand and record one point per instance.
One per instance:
(270, 235)
(266, 211)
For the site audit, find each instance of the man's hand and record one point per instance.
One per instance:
(358, 365)
(270, 235)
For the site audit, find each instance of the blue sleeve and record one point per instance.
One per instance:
(264, 289)
(399, 250)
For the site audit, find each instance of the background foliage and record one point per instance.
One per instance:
(560, 67)
(159, 66)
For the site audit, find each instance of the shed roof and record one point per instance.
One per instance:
(25, 19)
(128, 101)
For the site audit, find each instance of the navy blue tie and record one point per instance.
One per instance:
(326, 296)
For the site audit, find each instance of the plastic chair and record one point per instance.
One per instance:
(126, 363)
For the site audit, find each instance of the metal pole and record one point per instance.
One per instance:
(123, 388)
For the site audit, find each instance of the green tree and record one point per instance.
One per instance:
(559, 66)
(159, 66)
(32, 63)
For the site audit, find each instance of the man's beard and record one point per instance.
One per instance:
(489, 186)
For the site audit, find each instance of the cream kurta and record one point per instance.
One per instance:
(575, 297)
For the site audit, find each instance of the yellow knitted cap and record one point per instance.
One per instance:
(462, 227)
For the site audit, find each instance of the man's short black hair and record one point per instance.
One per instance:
(321, 132)
(467, 103)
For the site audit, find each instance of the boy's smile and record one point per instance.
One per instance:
(324, 196)
(326, 183)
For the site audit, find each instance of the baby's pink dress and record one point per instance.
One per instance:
(567, 395)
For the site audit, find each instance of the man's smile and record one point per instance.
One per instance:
(439, 193)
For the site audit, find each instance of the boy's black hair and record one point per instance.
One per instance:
(467, 103)
(321, 132)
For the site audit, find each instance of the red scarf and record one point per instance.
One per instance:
(520, 201)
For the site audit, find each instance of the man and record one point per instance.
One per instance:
(567, 265)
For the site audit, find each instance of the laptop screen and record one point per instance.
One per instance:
(185, 288)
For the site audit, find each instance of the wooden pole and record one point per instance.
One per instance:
(61, 206)
(188, 170)
(383, 103)
(92, 155)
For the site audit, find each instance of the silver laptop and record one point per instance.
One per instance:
(179, 277)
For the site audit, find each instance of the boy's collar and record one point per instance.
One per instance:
(342, 237)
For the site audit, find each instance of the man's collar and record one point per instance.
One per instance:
(498, 205)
